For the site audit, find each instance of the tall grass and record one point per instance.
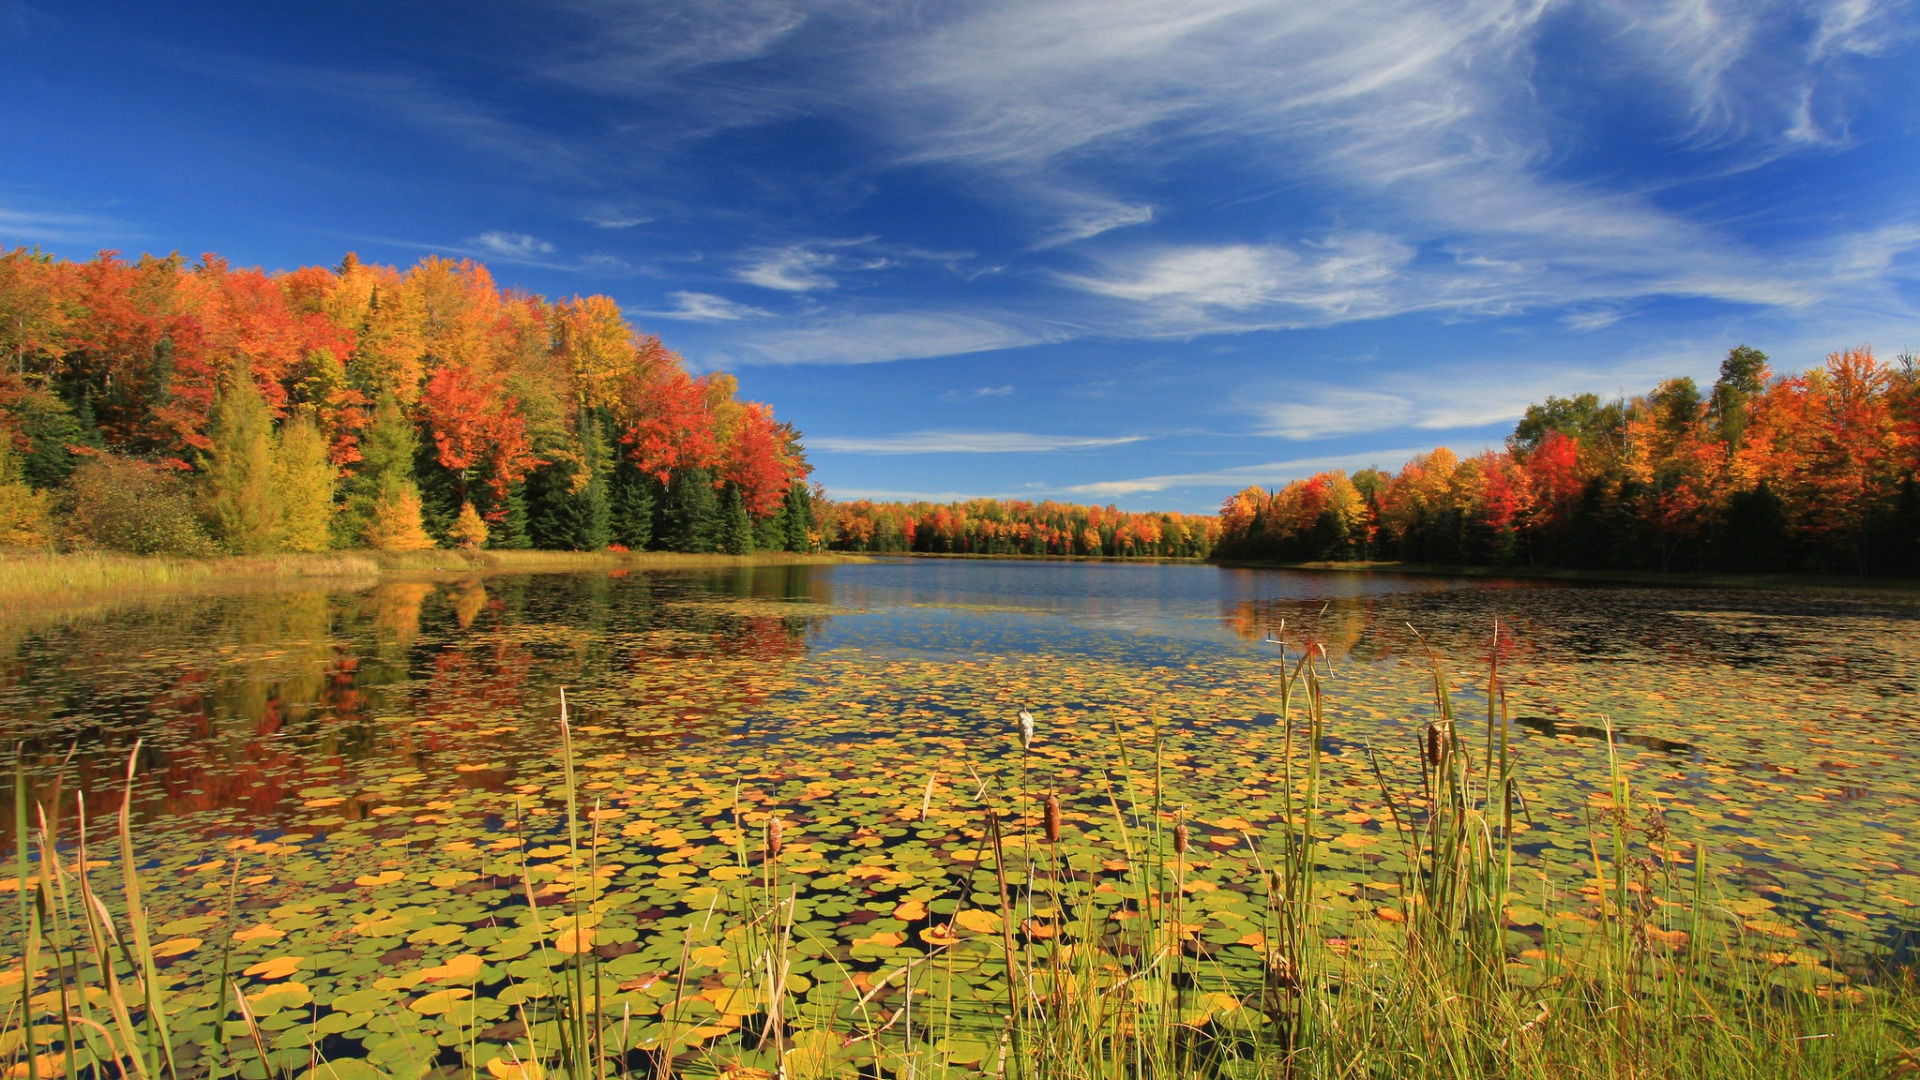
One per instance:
(45, 577)
(1637, 971)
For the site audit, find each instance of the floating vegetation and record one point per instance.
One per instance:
(759, 843)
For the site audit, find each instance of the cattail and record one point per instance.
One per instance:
(1053, 819)
(1180, 839)
(1436, 745)
(775, 827)
(1026, 730)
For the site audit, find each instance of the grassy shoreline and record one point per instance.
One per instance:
(42, 579)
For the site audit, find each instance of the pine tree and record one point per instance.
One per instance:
(305, 479)
(386, 462)
(630, 499)
(796, 513)
(690, 513)
(239, 484)
(736, 528)
(383, 503)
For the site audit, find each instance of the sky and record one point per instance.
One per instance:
(1139, 252)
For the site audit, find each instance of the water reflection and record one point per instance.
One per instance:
(238, 703)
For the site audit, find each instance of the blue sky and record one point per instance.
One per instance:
(1134, 251)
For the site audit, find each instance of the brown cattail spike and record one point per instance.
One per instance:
(1436, 742)
(775, 827)
(1053, 819)
(1180, 839)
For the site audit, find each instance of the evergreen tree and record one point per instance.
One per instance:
(797, 517)
(512, 532)
(690, 513)
(305, 479)
(736, 528)
(630, 499)
(50, 426)
(386, 461)
(383, 503)
(238, 488)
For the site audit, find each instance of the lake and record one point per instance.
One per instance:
(361, 788)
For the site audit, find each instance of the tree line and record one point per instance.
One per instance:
(1760, 474)
(161, 406)
(1014, 527)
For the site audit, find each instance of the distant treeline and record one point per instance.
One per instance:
(1762, 474)
(158, 406)
(1012, 527)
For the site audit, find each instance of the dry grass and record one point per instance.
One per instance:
(41, 580)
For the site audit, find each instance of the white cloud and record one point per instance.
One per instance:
(1346, 274)
(21, 224)
(795, 268)
(964, 442)
(872, 339)
(707, 307)
(851, 494)
(1267, 474)
(512, 245)
(1094, 220)
(616, 220)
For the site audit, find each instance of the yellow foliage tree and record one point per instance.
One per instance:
(395, 525)
(305, 478)
(469, 532)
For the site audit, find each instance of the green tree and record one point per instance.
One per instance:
(735, 527)
(690, 513)
(386, 462)
(630, 498)
(238, 487)
(1743, 377)
(305, 479)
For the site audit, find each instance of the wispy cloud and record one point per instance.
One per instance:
(1346, 274)
(794, 268)
(1100, 218)
(877, 338)
(1453, 397)
(707, 307)
(965, 442)
(23, 223)
(1003, 390)
(616, 220)
(511, 245)
(1266, 474)
(847, 494)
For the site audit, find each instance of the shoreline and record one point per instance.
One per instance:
(35, 582)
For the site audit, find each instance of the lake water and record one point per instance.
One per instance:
(371, 775)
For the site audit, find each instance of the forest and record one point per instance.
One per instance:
(1014, 527)
(159, 406)
(1813, 472)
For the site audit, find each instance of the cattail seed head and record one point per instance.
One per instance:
(1053, 819)
(1026, 730)
(1436, 745)
(1180, 839)
(775, 828)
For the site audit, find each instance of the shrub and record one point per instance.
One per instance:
(126, 505)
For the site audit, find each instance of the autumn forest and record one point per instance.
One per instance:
(158, 406)
(162, 406)
(1760, 474)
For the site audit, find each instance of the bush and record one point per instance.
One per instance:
(125, 505)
